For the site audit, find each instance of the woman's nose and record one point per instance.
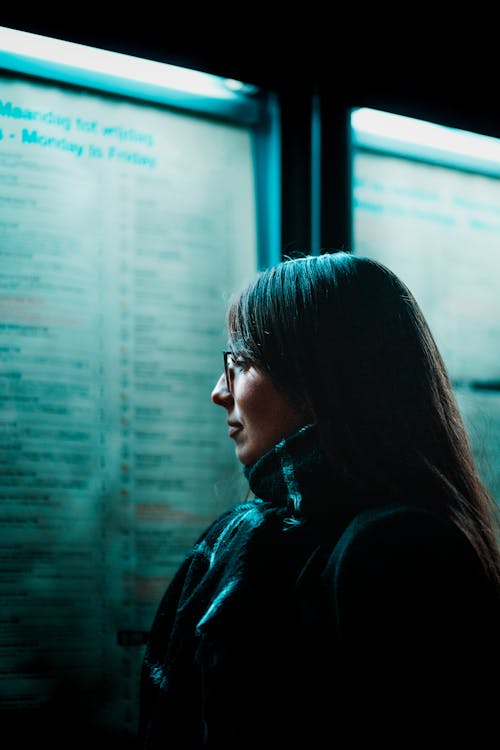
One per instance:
(220, 394)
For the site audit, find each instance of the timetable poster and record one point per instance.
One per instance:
(124, 228)
(438, 228)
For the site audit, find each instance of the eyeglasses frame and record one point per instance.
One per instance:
(226, 355)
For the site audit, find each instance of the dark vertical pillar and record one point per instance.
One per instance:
(335, 194)
(295, 103)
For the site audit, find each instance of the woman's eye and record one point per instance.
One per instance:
(242, 364)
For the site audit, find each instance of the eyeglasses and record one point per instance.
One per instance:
(228, 363)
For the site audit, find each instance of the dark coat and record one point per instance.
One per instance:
(280, 634)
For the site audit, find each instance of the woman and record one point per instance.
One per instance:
(355, 596)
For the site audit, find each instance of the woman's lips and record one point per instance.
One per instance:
(233, 428)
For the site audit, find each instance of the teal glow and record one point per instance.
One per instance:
(112, 71)
(173, 86)
(407, 136)
(316, 175)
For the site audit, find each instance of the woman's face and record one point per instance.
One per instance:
(258, 415)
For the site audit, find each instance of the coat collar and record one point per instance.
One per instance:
(292, 472)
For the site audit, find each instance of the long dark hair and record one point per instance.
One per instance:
(343, 336)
